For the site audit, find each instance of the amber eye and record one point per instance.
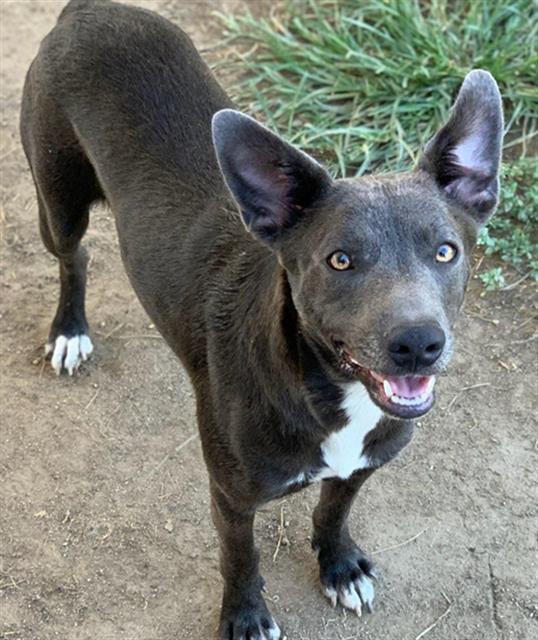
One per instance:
(339, 261)
(446, 252)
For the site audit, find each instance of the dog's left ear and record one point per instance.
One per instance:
(271, 180)
(464, 156)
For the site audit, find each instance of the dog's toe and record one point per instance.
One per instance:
(347, 578)
(67, 353)
(274, 632)
(267, 631)
(365, 588)
(350, 599)
(353, 595)
(250, 625)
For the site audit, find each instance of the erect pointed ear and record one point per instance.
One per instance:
(271, 181)
(464, 156)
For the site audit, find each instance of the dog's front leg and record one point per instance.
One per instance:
(244, 614)
(345, 572)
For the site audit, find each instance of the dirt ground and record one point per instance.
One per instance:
(105, 530)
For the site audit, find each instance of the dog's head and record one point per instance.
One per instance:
(377, 265)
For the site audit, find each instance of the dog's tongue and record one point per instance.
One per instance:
(409, 386)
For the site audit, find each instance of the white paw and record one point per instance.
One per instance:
(68, 353)
(353, 595)
(273, 633)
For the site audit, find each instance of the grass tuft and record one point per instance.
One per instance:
(363, 84)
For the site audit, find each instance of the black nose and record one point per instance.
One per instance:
(416, 347)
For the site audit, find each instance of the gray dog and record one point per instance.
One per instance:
(311, 314)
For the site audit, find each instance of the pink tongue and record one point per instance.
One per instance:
(410, 386)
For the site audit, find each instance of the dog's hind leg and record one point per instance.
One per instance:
(345, 572)
(68, 341)
(66, 187)
(62, 224)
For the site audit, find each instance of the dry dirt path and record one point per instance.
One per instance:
(104, 526)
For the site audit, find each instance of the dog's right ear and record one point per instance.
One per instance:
(271, 181)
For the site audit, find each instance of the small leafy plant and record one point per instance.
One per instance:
(512, 234)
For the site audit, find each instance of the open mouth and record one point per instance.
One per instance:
(407, 396)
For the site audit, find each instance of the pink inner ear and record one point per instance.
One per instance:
(464, 190)
(265, 180)
(269, 183)
(261, 175)
(469, 153)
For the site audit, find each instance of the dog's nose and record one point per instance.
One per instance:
(416, 347)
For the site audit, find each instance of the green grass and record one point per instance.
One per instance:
(363, 84)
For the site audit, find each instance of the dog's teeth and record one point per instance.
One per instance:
(387, 389)
(410, 402)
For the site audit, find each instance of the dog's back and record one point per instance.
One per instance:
(103, 57)
(124, 91)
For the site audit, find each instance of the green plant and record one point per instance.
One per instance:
(512, 233)
(363, 84)
(493, 279)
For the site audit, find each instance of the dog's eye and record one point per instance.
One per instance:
(446, 252)
(339, 261)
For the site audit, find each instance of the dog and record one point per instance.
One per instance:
(311, 314)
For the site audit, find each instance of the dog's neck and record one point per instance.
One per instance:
(280, 331)
(290, 364)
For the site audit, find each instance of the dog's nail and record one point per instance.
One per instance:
(373, 574)
(366, 591)
(331, 594)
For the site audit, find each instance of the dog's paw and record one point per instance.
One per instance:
(67, 353)
(352, 595)
(249, 624)
(347, 577)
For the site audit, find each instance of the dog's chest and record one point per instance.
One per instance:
(343, 451)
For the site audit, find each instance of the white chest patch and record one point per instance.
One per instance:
(342, 451)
